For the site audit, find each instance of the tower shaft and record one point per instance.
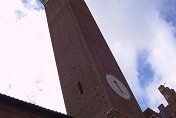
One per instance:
(92, 83)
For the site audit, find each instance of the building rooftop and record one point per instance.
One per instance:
(7, 100)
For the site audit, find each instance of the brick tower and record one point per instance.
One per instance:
(169, 94)
(92, 83)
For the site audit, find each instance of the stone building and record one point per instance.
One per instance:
(14, 108)
(165, 112)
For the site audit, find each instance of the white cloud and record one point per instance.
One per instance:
(162, 57)
(130, 26)
(27, 56)
(32, 5)
(27, 61)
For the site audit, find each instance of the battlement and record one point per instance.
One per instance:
(169, 94)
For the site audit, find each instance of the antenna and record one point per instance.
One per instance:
(164, 84)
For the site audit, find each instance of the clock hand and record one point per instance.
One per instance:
(118, 86)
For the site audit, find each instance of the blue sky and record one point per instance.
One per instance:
(31, 5)
(144, 69)
(140, 33)
(167, 11)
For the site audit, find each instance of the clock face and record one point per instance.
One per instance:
(117, 86)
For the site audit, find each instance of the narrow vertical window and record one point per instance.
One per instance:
(80, 88)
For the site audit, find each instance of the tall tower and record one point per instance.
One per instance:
(92, 83)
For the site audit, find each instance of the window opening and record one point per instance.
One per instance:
(80, 88)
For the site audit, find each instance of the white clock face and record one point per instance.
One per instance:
(118, 87)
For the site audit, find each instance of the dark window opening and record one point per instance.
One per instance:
(80, 88)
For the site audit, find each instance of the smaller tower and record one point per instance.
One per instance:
(168, 111)
(169, 94)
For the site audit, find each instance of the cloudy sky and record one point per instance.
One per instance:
(140, 33)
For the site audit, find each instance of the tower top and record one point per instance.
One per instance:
(169, 94)
(43, 1)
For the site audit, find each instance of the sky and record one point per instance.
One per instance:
(140, 33)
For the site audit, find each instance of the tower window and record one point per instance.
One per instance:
(80, 88)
